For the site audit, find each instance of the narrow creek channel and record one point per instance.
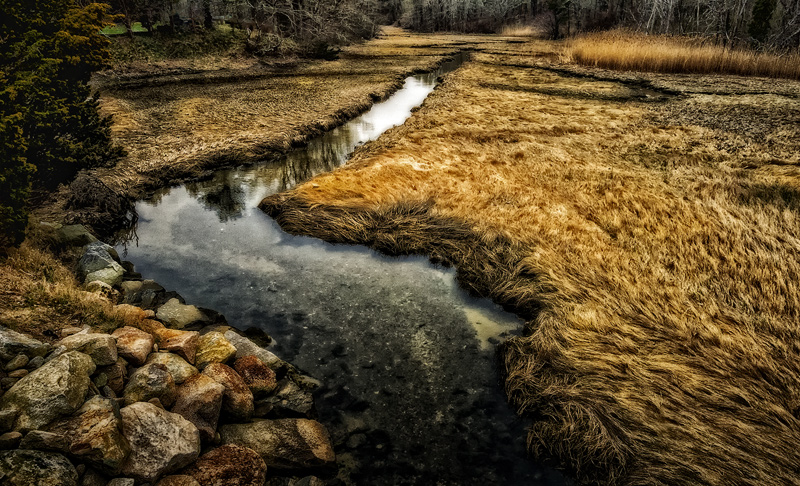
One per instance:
(409, 389)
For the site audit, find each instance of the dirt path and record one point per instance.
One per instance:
(647, 228)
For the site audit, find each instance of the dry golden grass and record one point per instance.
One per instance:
(660, 275)
(178, 120)
(40, 294)
(631, 51)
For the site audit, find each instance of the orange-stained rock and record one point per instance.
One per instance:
(133, 344)
(259, 377)
(182, 343)
(229, 465)
(238, 399)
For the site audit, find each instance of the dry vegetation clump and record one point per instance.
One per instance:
(658, 272)
(631, 51)
(40, 295)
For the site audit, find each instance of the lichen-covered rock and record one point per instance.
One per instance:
(116, 375)
(13, 343)
(246, 347)
(229, 465)
(259, 377)
(100, 262)
(148, 382)
(133, 345)
(212, 347)
(36, 468)
(288, 445)
(100, 347)
(177, 366)
(178, 480)
(237, 399)
(182, 343)
(199, 400)
(94, 435)
(161, 442)
(56, 389)
(178, 315)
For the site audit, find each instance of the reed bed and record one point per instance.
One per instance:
(659, 280)
(630, 51)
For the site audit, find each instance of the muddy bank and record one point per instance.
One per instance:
(650, 243)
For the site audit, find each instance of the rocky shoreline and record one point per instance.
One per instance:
(175, 398)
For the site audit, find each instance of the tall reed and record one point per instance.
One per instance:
(631, 51)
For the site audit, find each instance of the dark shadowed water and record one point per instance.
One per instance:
(410, 390)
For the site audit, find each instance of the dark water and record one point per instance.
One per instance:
(410, 390)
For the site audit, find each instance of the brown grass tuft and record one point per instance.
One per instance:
(629, 51)
(659, 275)
(40, 295)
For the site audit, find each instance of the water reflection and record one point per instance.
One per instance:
(410, 390)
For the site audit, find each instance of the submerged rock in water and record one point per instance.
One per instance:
(290, 445)
(161, 442)
(28, 468)
(56, 389)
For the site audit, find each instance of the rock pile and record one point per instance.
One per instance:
(195, 403)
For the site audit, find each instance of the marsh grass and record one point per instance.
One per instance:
(658, 277)
(630, 51)
(40, 294)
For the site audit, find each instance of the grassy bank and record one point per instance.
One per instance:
(180, 118)
(630, 51)
(646, 228)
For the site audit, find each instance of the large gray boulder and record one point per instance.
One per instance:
(36, 468)
(229, 465)
(13, 343)
(56, 389)
(199, 400)
(289, 445)
(95, 435)
(148, 382)
(161, 442)
(99, 263)
(100, 347)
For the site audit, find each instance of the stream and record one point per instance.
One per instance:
(410, 390)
